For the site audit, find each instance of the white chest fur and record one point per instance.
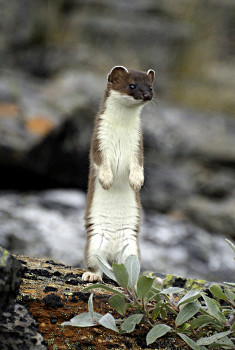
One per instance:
(114, 212)
(119, 132)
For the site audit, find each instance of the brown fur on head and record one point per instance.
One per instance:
(133, 83)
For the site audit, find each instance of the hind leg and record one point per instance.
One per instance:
(130, 240)
(97, 244)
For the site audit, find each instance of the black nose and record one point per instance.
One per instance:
(147, 97)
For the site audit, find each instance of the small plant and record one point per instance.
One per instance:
(202, 321)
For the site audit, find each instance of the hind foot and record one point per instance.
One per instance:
(89, 276)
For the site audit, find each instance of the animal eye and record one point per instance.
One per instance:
(150, 88)
(132, 86)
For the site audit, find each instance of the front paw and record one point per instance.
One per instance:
(136, 179)
(105, 177)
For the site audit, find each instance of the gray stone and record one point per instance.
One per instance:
(11, 272)
(214, 216)
(188, 155)
(18, 330)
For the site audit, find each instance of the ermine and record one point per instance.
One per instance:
(116, 175)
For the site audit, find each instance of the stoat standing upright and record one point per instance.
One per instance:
(116, 170)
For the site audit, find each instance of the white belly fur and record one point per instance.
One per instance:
(114, 213)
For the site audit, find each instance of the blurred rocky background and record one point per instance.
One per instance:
(54, 58)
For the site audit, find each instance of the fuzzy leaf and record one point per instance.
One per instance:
(231, 245)
(213, 309)
(230, 295)
(171, 290)
(203, 320)
(217, 292)
(225, 343)
(103, 286)
(90, 306)
(189, 297)
(144, 285)
(118, 303)
(212, 339)
(108, 321)
(105, 267)
(188, 311)
(129, 324)
(83, 320)
(133, 268)
(189, 341)
(121, 274)
(156, 332)
(120, 255)
(231, 284)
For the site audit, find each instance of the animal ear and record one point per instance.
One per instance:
(116, 73)
(151, 73)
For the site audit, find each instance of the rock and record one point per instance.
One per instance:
(52, 299)
(11, 272)
(94, 37)
(218, 216)
(187, 154)
(50, 224)
(18, 330)
(41, 125)
(172, 245)
(47, 224)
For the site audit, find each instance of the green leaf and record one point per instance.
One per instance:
(188, 311)
(213, 309)
(189, 341)
(230, 284)
(189, 297)
(156, 332)
(105, 267)
(212, 339)
(144, 285)
(183, 327)
(217, 292)
(108, 321)
(90, 306)
(83, 320)
(133, 268)
(231, 245)
(230, 295)
(120, 255)
(163, 313)
(225, 342)
(103, 286)
(156, 310)
(129, 324)
(118, 303)
(203, 320)
(171, 290)
(121, 274)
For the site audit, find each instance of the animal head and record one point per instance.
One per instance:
(135, 86)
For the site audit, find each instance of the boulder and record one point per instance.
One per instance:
(11, 272)
(53, 294)
(18, 329)
(189, 156)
